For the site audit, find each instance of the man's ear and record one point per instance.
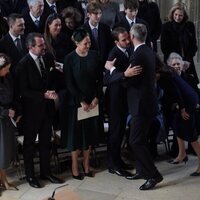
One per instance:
(88, 14)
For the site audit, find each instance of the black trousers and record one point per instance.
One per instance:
(31, 127)
(117, 128)
(138, 140)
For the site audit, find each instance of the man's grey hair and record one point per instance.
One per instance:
(139, 31)
(32, 2)
(172, 56)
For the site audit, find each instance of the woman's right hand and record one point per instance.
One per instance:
(184, 114)
(93, 103)
(85, 106)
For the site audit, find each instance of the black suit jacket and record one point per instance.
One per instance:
(124, 23)
(121, 64)
(105, 41)
(141, 92)
(32, 87)
(8, 47)
(30, 25)
(115, 83)
(59, 7)
(8, 7)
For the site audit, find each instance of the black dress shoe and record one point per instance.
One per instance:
(33, 182)
(151, 183)
(119, 172)
(51, 178)
(195, 174)
(134, 177)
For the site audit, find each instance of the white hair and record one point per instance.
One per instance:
(33, 2)
(139, 31)
(172, 56)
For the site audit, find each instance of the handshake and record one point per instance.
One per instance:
(50, 94)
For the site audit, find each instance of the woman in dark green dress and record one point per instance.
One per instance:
(83, 75)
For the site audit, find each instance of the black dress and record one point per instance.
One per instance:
(83, 79)
(7, 129)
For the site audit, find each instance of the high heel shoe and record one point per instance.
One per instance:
(176, 162)
(78, 177)
(88, 174)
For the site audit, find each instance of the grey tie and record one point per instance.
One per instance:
(37, 22)
(18, 44)
(95, 35)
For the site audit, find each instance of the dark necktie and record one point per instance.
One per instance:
(53, 8)
(126, 53)
(37, 22)
(132, 23)
(18, 44)
(42, 69)
(95, 35)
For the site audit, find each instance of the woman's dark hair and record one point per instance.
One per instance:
(72, 13)
(79, 34)
(47, 35)
(4, 60)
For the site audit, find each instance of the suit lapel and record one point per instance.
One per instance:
(11, 43)
(34, 66)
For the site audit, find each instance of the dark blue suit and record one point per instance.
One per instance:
(142, 104)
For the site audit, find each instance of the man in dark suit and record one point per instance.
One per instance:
(53, 6)
(13, 43)
(100, 33)
(37, 106)
(13, 6)
(142, 104)
(149, 12)
(35, 17)
(118, 110)
(128, 17)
